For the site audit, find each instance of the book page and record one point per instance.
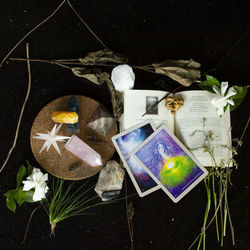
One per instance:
(197, 105)
(137, 102)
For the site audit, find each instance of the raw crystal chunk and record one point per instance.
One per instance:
(65, 117)
(123, 77)
(79, 148)
(102, 121)
(110, 180)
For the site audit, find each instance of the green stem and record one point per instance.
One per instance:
(227, 207)
(225, 211)
(221, 211)
(203, 234)
(215, 207)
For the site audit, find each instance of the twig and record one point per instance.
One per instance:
(36, 27)
(86, 25)
(165, 96)
(39, 60)
(230, 50)
(130, 224)
(243, 133)
(62, 63)
(27, 228)
(22, 110)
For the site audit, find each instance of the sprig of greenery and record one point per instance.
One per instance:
(64, 202)
(216, 184)
(17, 195)
(211, 81)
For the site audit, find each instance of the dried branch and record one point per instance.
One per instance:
(28, 225)
(130, 214)
(36, 27)
(165, 96)
(86, 25)
(47, 19)
(22, 110)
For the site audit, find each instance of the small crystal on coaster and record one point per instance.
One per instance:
(79, 148)
(110, 180)
(102, 121)
(65, 117)
(73, 106)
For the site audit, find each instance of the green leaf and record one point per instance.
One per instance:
(10, 202)
(29, 168)
(206, 86)
(212, 81)
(20, 196)
(10, 194)
(239, 97)
(29, 196)
(209, 83)
(20, 174)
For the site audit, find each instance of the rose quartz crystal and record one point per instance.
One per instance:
(79, 148)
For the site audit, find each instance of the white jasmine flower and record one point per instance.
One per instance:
(221, 100)
(123, 77)
(37, 180)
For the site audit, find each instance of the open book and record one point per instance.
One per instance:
(187, 123)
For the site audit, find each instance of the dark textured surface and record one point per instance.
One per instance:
(146, 32)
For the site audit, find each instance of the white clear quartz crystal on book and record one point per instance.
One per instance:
(79, 148)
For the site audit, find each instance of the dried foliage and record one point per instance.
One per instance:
(102, 57)
(116, 99)
(183, 71)
(93, 75)
(97, 77)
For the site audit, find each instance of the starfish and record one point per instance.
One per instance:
(51, 138)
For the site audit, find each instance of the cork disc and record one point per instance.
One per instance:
(67, 165)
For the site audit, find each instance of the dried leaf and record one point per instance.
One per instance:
(98, 77)
(93, 75)
(102, 57)
(183, 71)
(116, 99)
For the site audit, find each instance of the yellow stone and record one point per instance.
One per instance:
(65, 117)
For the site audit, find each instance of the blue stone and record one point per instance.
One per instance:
(73, 106)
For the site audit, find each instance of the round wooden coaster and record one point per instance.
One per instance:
(67, 165)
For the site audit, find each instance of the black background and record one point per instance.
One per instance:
(145, 32)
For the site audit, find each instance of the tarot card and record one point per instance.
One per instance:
(125, 143)
(169, 163)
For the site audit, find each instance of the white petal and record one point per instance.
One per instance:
(216, 90)
(231, 92)
(36, 171)
(28, 185)
(220, 111)
(214, 101)
(30, 178)
(230, 101)
(44, 177)
(38, 194)
(224, 86)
